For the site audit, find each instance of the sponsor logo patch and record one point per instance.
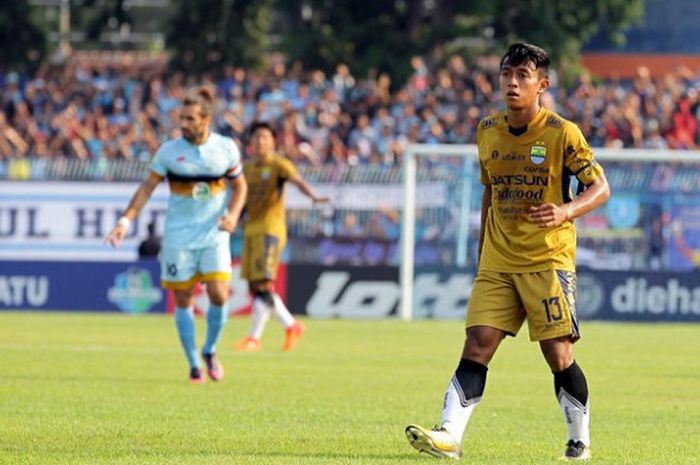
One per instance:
(201, 191)
(488, 122)
(554, 122)
(538, 153)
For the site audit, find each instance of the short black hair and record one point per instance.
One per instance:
(261, 125)
(521, 52)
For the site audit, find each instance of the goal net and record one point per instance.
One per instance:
(438, 239)
(656, 194)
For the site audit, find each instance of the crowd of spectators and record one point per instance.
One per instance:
(121, 106)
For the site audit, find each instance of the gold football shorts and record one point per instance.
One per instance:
(545, 298)
(261, 257)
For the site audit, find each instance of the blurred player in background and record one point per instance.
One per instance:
(687, 251)
(150, 246)
(265, 231)
(527, 251)
(199, 167)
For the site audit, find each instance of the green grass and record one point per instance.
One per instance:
(112, 389)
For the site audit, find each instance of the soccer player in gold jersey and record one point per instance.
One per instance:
(527, 251)
(265, 231)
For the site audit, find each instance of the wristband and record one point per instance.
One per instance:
(124, 221)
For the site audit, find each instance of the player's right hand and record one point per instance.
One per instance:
(116, 235)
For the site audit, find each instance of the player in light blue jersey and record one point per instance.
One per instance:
(207, 194)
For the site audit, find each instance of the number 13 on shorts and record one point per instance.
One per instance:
(549, 299)
(545, 298)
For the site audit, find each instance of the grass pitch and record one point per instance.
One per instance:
(112, 389)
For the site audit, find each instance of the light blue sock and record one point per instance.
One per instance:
(184, 320)
(216, 320)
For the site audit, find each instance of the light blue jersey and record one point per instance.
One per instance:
(198, 178)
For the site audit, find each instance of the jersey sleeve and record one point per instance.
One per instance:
(483, 174)
(287, 169)
(158, 162)
(578, 156)
(235, 168)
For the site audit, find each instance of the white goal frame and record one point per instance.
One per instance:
(408, 218)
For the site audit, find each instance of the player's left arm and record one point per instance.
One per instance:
(550, 215)
(306, 189)
(579, 160)
(290, 173)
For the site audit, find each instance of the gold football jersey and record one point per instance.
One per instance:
(265, 205)
(527, 168)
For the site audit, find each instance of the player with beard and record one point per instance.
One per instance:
(207, 193)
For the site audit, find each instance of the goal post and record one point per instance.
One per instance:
(414, 155)
(461, 162)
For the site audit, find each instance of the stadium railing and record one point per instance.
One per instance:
(653, 191)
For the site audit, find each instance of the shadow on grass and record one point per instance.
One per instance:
(122, 454)
(88, 378)
(414, 457)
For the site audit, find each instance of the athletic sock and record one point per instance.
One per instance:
(216, 320)
(281, 311)
(260, 316)
(184, 320)
(462, 396)
(571, 389)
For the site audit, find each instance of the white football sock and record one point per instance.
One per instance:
(260, 316)
(282, 312)
(456, 410)
(577, 417)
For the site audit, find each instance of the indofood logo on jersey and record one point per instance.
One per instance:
(538, 153)
(133, 291)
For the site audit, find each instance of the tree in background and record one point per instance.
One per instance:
(384, 34)
(23, 41)
(205, 35)
(562, 27)
(379, 34)
(99, 16)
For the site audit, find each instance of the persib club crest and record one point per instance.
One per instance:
(538, 153)
(134, 291)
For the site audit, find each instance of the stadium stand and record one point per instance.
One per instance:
(101, 115)
(101, 107)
